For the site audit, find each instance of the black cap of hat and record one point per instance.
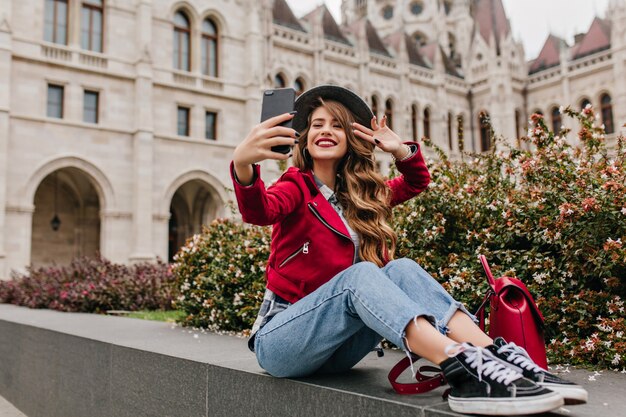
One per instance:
(309, 100)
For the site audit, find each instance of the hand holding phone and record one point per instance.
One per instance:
(275, 102)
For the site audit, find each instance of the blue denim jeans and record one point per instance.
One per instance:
(334, 327)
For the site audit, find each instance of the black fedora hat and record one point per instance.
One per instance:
(309, 100)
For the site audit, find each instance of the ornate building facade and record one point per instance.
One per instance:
(118, 118)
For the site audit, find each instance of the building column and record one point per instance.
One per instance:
(619, 92)
(617, 11)
(143, 141)
(5, 101)
(19, 227)
(161, 234)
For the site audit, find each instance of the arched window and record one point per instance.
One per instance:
(417, 7)
(55, 22)
(557, 120)
(584, 102)
(182, 42)
(452, 44)
(485, 131)
(414, 122)
(91, 25)
(375, 106)
(450, 141)
(387, 12)
(389, 113)
(299, 86)
(420, 38)
(279, 81)
(459, 131)
(210, 48)
(427, 122)
(606, 108)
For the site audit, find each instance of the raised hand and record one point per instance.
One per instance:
(381, 136)
(256, 147)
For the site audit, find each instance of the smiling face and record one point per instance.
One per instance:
(326, 138)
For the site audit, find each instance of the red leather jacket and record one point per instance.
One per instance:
(310, 243)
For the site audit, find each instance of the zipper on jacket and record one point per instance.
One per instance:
(320, 218)
(303, 249)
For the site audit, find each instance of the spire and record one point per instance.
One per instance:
(490, 17)
(550, 55)
(283, 15)
(597, 38)
(373, 40)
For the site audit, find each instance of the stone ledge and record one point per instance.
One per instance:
(72, 364)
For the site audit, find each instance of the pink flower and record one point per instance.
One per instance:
(567, 210)
(535, 117)
(590, 204)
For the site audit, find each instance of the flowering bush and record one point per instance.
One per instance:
(555, 217)
(92, 285)
(220, 274)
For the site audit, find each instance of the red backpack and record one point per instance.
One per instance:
(514, 315)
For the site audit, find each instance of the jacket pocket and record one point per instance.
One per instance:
(304, 249)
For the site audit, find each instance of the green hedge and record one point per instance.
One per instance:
(220, 274)
(555, 217)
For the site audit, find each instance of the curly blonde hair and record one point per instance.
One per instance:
(360, 189)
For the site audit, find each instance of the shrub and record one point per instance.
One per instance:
(554, 216)
(220, 274)
(93, 285)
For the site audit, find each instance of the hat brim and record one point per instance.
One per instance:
(308, 100)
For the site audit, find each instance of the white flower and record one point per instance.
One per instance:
(561, 109)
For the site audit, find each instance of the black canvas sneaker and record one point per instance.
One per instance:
(482, 384)
(517, 357)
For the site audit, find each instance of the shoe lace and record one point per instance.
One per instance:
(519, 357)
(486, 364)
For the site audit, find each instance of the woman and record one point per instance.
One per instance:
(334, 289)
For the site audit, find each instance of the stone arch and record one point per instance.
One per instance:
(483, 118)
(197, 174)
(284, 73)
(193, 200)
(186, 7)
(554, 119)
(584, 98)
(67, 219)
(217, 17)
(389, 108)
(304, 78)
(98, 179)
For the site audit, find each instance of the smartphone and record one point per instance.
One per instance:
(275, 102)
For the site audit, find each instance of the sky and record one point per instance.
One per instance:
(531, 20)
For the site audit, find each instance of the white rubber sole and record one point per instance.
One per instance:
(572, 394)
(506, 406)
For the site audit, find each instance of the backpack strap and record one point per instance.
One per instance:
(425, 383)
(490, 278)
(480, 313)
